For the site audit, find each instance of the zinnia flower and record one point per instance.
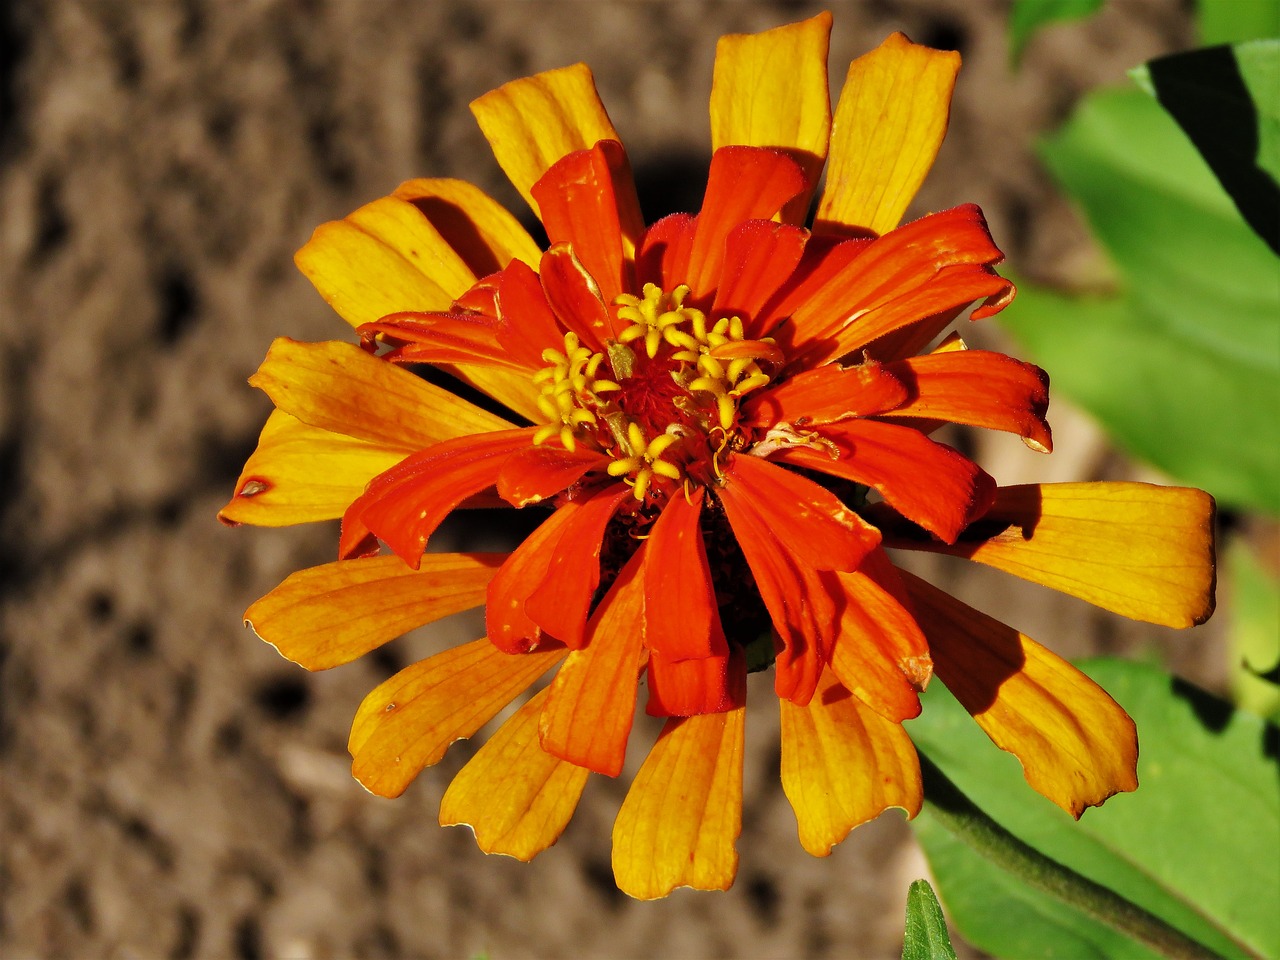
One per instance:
(723, 420)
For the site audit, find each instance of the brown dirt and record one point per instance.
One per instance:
(171, 787)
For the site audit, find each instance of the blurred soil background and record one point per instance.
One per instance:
(173, 788)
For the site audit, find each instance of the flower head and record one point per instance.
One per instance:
(723, 420)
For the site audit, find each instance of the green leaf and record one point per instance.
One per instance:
(1182, 364)
(1227, 100)
(1255, 632)
(1028, 16)
(1234, 21)
(926, 937)
(1193, 845)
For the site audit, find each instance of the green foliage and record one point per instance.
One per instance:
(1028, 16)
(1182, 363)
(1193, 845)
(1227, 100)
(1234, 21)
(1255, 632)
(926, 937)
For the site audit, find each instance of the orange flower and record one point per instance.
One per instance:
(726, 423)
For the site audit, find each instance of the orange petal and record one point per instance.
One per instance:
(588, 200)
(408, 722)
(824, 395)
(384, 257)
(889, 124)
(300, 473)
(509, 626)
(1140, 550)
(978, 388)
(664, 252)
(532, 122)
(842, 765)
(681, 620)
(532, 475)
(924, 480)
(338, 387)
(527, 324)
(681, 818)
(482, 231)
(516, 798)
(561, 599)
(440, 338)
(920, 274)
(592, 700)
(684, 688)
(770, 90)
(744, 183)
(328, 615)
(760, 257)
(880, 653)
(403, 506)
(1077, 746)
(575, 297)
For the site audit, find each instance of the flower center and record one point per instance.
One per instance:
(662, 401)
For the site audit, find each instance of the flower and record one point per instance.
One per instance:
(726, 421)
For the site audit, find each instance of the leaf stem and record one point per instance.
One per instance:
(962, 817)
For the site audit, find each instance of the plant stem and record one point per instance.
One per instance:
(970, 824)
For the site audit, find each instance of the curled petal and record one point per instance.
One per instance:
(516, 798)
(1139, 550)
(300, 474)
(408, 722)
(770, 90)
(1077, 746)
(842, 765)
(510, 627)
(682, 816)
(338, 387)
(889, 124)
(526, 323)
(588, 200)
(403, 506)
(532, 122)
(924, 480)
(329, 615)
(440, 338)
(591, 702)
(978, 388)
(575, 297)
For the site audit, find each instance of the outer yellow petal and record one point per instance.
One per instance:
(1140, 550)
(408, 722)
(770, 90)
(332, 614)
(339, 387)
(509, 387)
(516, 798)
(532, 122)
(300, 473)
(383, 258)
(482, 231)
(683, 813)
(889, 124)
(1077, 746)
(843, 764)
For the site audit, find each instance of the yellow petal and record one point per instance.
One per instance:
(408, 722)
(770, 90)
(532, 122)
(843, 764)
(339, 387)
(889, 124)
(300, 474)
(683, 813)
(482, 231)
(327, 615)
(1077, 746)
(516, 798)
(1137, 549)
(509, 387)
(383, 258)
